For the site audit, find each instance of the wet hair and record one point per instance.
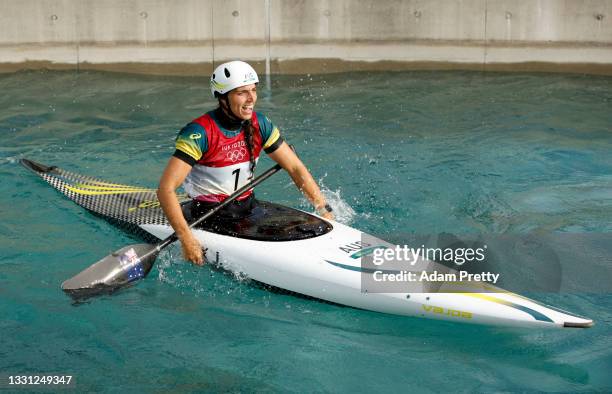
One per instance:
(232, 122)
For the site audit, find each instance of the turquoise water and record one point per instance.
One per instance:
(418, 152)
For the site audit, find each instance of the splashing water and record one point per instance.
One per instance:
(342, 211)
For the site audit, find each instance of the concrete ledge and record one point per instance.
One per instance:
(197, 57)
(322, 66)
(312, 66)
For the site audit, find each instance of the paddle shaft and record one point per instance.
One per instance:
(268, 173)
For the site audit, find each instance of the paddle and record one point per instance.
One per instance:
(134, 262)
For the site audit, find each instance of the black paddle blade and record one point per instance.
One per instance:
(113, 272)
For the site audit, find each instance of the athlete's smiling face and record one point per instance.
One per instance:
(242, 101)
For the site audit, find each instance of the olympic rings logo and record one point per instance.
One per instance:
(236, 155)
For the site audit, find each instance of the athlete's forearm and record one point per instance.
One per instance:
(172, 208)
(299, 173)
(307, 185)
(174, 174)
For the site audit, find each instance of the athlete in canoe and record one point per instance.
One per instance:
(217, 153)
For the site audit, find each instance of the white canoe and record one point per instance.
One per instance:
(302, 253)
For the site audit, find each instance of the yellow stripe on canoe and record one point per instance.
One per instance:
(109, 188)
(89, 192)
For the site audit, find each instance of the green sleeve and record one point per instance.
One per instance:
(270, 135)
(191, 143)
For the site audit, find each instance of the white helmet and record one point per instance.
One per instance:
(232, 75)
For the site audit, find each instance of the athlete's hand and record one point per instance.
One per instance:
(328, 216)
(192, 250)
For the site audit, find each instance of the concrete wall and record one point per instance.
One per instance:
(189, 36)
